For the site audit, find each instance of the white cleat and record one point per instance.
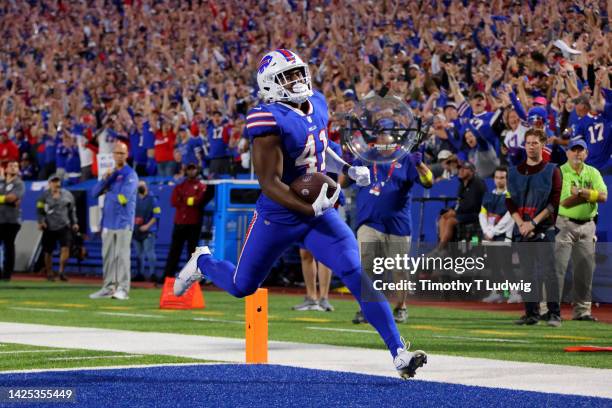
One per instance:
(190, 273)
(407, 362)
(494, 297)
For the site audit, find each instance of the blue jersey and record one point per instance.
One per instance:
(303, 143)
(140, 142)
(483, 122)
(592, 129)
(217, 147)
(385, 204)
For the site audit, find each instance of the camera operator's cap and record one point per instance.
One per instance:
(468, 165)
(577, 142)
(582, 99)
(444, 154)
(54, 177)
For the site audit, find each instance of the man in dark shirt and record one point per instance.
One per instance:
(189, 199)
(469, 200)
(534, 190)
(57, 219)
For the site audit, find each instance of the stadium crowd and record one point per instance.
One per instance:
(174, 79)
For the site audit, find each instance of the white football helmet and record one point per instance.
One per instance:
(274, 83)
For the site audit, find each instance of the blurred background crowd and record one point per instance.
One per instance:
(174, 79)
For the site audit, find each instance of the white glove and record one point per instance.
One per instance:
(322, 203)
(361, 175)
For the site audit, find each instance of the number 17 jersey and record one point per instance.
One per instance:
(303, 139)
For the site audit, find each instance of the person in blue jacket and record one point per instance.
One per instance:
(119, 189)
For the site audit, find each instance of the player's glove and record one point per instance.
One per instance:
(361, 175)
(322, 202)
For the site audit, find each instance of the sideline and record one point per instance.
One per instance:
(549, 378)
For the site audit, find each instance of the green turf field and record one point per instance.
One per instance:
(24, 357)
(436, 330)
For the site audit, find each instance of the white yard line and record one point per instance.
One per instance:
(208, 319)
(121, 314)
(94, 357)
(341, 330)
(38, 309)
(33, 351)
(483, 339)
(450, 369)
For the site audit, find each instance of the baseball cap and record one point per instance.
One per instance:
(54, 177)
(540, 100)
(450, 105)
(477, 94)
(468, 165)
(414, 66)
(577, 142)
(444, 154)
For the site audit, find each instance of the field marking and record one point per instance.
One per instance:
(494, 340)
(341, 330)
(560, 336)
(116, 308)
(427, 327)
(310, 320)
(209, 313)
(3, 301)
(94, 357)
(34, 351)
(210, 319)
(501, 333)
(112, 367)
(38, 309)
(75, 305)
(33, 303)
(118, 314)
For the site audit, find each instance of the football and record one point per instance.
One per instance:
(308, 186)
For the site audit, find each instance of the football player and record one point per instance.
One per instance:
(289, 138)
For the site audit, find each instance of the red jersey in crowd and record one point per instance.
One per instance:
(164, 146)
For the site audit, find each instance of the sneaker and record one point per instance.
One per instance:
(554, 320)
(359, 318)
(400, 314)
(308, 304)
(494, 297)
(63, 277)
(325, 305)
(190, 273)
(406, 362)
(515, 298)
(120, 294)
(527, 320)
(101, 294)
(586, 318)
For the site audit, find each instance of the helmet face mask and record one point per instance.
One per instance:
(283, 77)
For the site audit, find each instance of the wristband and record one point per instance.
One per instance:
(427, 178)
(535, 224)
(122, 200)
(593, 196)
(345, 169)
(2, 199)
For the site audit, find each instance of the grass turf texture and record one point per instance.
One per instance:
(436, 330)
(24, 357)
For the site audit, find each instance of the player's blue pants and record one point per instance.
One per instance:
(331, 242)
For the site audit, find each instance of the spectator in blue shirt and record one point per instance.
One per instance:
(119, 189)
(219, 157)
(142, 146)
